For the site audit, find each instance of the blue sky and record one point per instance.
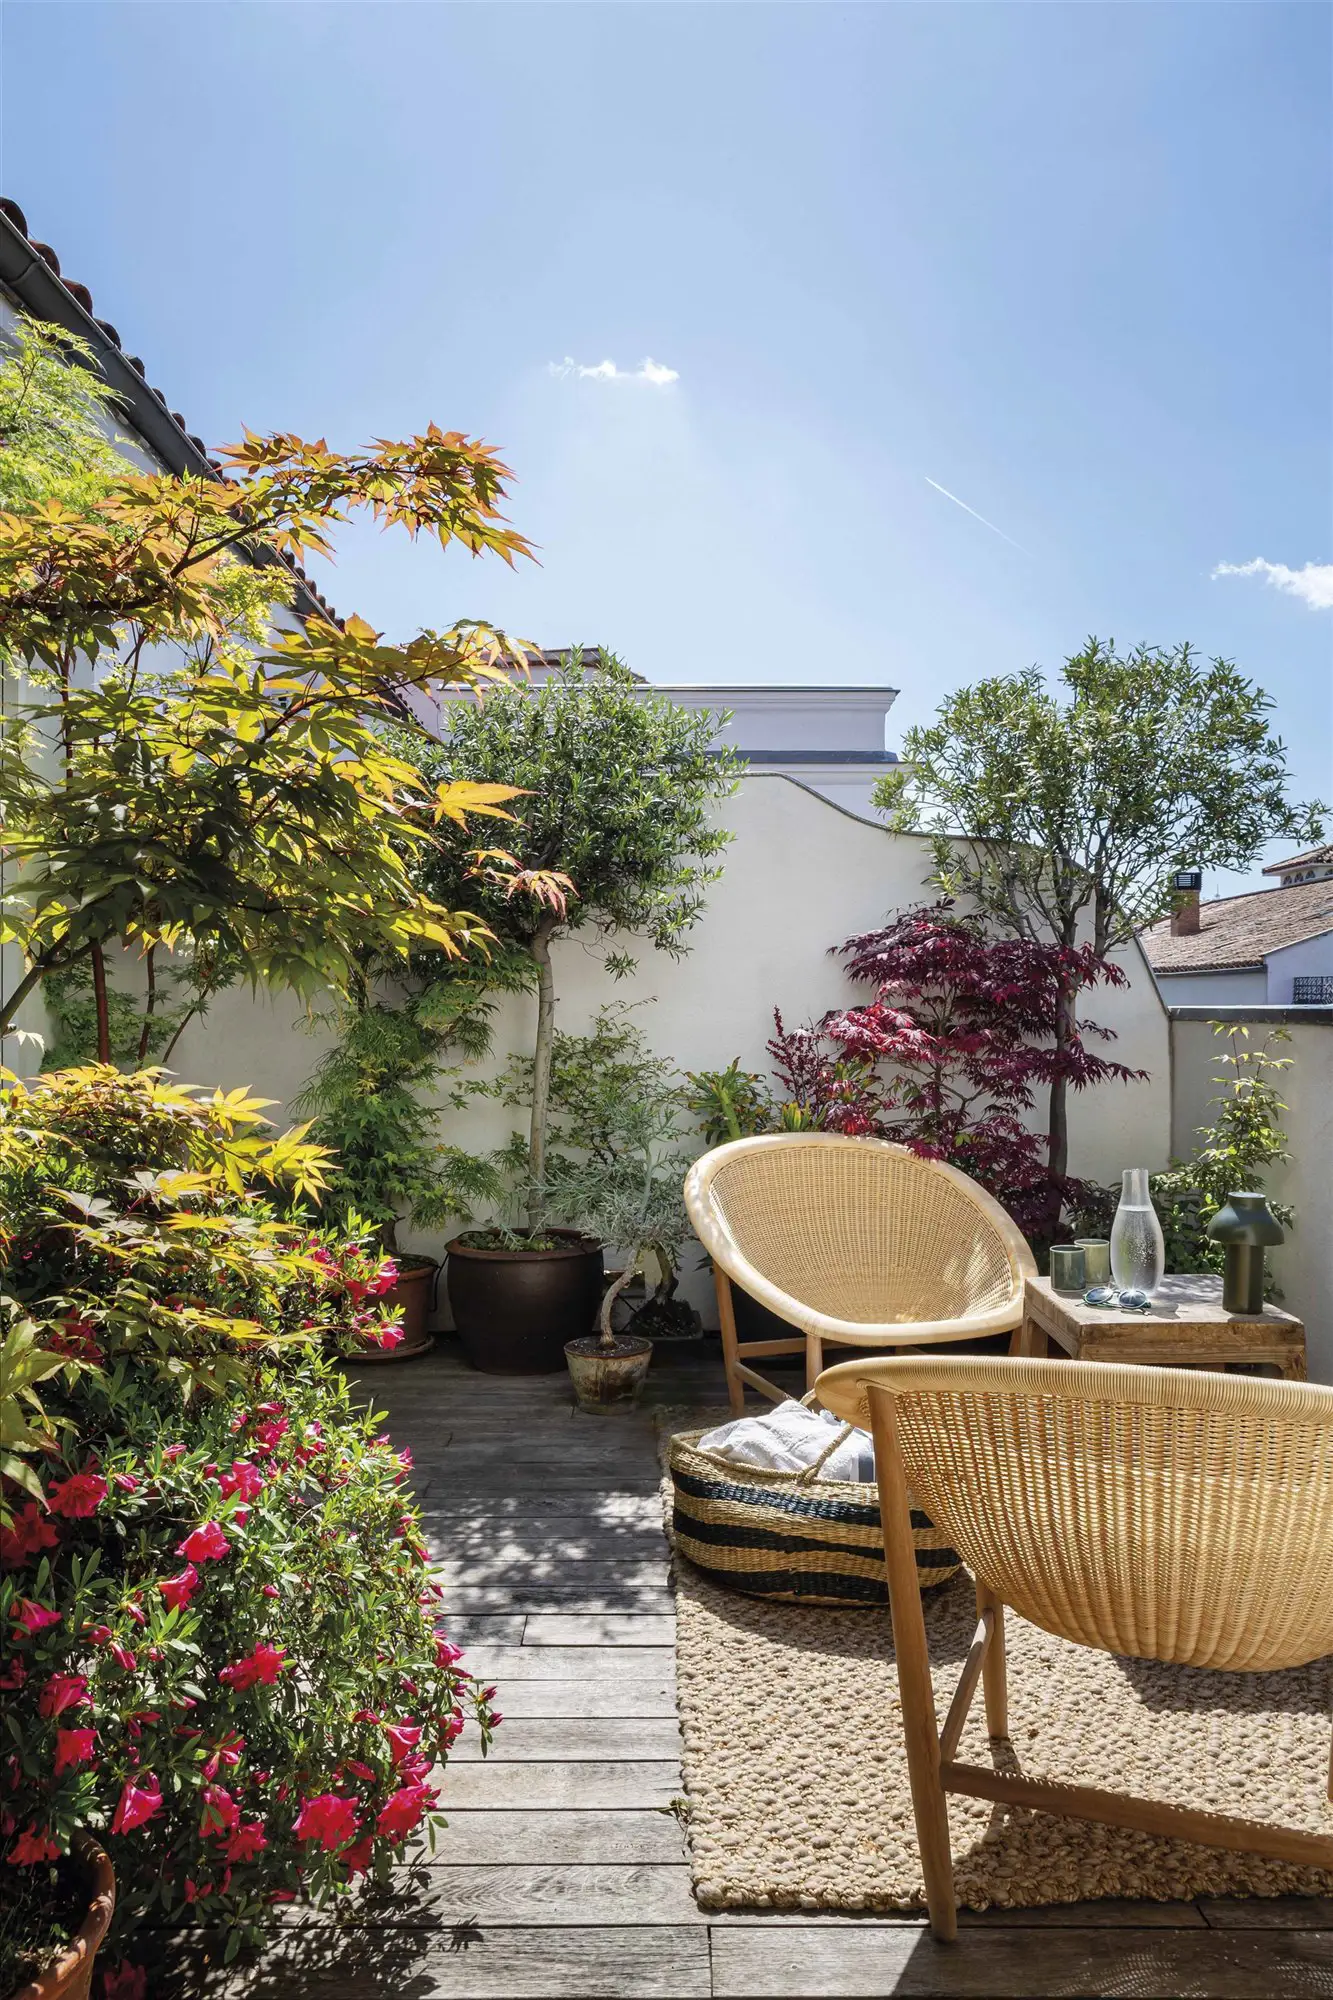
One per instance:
(1069, 262)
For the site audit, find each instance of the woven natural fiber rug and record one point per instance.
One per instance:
(797, 1782)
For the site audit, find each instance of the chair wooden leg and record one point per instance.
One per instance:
(920, 1728)
(994, 1672)
(726, 1313)
(814, 1360)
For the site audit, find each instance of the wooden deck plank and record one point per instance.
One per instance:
(532, 1595)
(494, 1838)
(789, 1963)
(571, 1894)
(607, 1664)
(575, 1739)
(588, 1786)
(1264, 1913)
(551, 1569)
(483, 1629)
(611, 1699)
(599, 1629)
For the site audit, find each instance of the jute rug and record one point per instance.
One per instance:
(797, 1783)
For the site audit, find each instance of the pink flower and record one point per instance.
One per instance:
(135, 1611)
(138, 1802)
(14, 1675)
(268, 1435)
(446, 1653)
(34, 1617)
(172, 1452)
(360, 1770)
(78, 1496)
(403, 1738)
(244, 1478)
(97, 1635)
(205, 1544)
(178, 1590)
(126, 1481)
(221, 1812)
(496, 1718)
(270, 1409)
(123, 1657)
(329, 1819)
(247, 1841)
(27, 1533)
(269, 1590)
(262, 1666)
(32, 1847)
(384, 1336)
(125, 1982)
(62, 1691)
(73, 1747)
(240, 1516)
(401, 1814)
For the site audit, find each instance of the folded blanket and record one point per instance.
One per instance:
(789, 1438)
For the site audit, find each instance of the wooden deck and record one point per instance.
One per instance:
(563, 1869)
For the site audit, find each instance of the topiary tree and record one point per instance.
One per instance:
(617, 789)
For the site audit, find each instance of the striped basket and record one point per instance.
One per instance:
(790, 1535)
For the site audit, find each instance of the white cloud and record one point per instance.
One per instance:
(652, 372)
(1313, 584)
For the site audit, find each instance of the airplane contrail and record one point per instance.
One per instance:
(977, 517)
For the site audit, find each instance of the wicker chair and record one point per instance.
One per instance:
(856, 1242)
(1155, 1512)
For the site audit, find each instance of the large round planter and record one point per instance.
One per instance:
(607, 1378)
(414, 1291)
(70, 1978)
(515, 1309)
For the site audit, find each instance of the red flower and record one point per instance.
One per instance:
(247, 1841)
(269, 1590)
(403, 1738)
(32, 1847)
(14, 1675)
(172, 1452)
(263, 1665)
(97, 1635)
(34, 1617)
(73, 1747)
(27, 1533)
(445, 1652)
(126, 1481)
(358, 1857)
(122, 1656)
(62, 1691)
(384, 1336)
(402, 1813)
(244, 1478)
(205, 1544)
(178, 1590)
(221, 1812)
(78, 1496)
(125, 1982)
(268, 1435)
(138, 1802)
(329, 1819)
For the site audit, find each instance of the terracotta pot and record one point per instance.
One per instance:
(604, 1377)
(415, 1293)
(70, 1978)
(515, 1309)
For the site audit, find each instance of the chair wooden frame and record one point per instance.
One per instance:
(813, 1330)
(933, 1766)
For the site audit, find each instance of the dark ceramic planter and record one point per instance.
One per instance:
(414, 1291)
(516, 1309)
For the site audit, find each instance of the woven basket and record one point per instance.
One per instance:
(790, 1535)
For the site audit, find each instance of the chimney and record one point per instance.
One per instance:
(1185, 886)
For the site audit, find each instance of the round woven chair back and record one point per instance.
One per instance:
(857, 1229)
(1158, 1512)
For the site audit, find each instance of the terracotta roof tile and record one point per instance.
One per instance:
(1237, 931)
(1311, 858)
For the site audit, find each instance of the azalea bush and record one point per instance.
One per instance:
(220, 1650)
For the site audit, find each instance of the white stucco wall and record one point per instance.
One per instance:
(1215, 989)
(800, 877)
(1304, 1263)
(1294, 961)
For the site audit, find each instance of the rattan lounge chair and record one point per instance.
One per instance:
(1156, 1512)
(856, 1243)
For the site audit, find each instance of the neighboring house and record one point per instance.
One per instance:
(1272, 947)
(829, 739)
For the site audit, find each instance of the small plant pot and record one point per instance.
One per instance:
(414, 1291)
(70, 1978)
(607, 1378)
(516, 1309)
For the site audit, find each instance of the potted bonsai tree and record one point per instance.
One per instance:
(616, 788)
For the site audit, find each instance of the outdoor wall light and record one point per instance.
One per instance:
(1244, 1226)
(1186, 879)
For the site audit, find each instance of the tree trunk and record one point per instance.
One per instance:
(541, 1069)
(150, 973)
(1058, 1115)
(613, 1292)
(103, 1012)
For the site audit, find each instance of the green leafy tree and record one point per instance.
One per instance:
(1234, 1153)
(175, 775)
(617, 788)
(1062, 814)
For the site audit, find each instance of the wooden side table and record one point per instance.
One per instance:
(1186, 1328)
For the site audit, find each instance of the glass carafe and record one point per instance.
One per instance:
(1138, 1254)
